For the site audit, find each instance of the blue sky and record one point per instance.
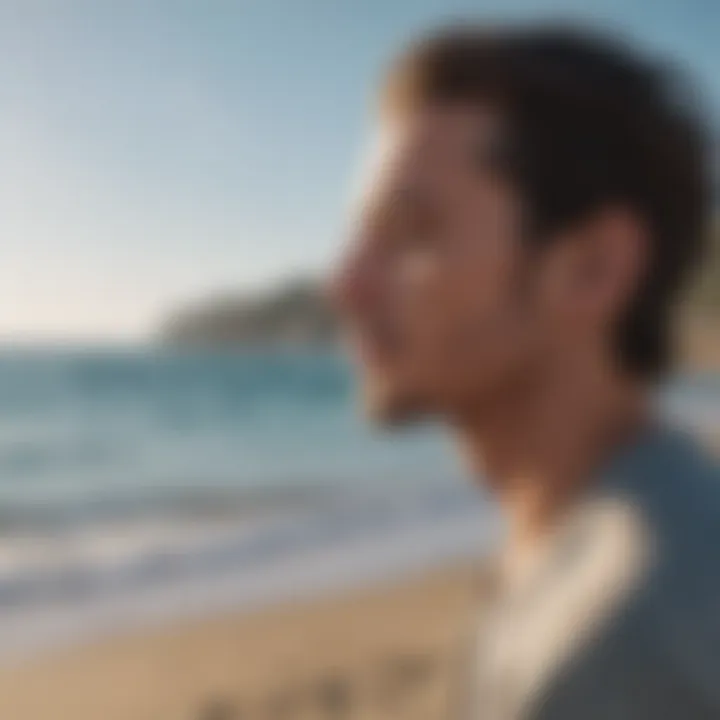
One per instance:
(156, 151)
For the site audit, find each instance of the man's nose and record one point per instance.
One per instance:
(352, 285)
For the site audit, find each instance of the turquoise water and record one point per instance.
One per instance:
(88, 436)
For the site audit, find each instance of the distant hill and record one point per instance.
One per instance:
(700, 326)
(295, 314)
(706, 294)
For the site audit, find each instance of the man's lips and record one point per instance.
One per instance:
(372, 349)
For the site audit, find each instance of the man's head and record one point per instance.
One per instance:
(539, 200)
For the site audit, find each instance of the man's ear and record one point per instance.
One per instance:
(594, 269)
(615, 260)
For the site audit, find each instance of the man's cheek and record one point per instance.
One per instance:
(425, 313)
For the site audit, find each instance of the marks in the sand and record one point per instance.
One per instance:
(334, 695)
(220, 710)
(389, 686)
(402, 675)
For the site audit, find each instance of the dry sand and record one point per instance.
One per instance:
(388, 652)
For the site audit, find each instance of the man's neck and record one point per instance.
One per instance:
(539, 451)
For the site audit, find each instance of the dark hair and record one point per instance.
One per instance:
(591, 123)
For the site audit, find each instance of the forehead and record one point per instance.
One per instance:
(435, 143)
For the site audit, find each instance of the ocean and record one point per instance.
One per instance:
(140, 484)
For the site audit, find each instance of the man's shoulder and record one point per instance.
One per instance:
(652, 572)
(674, 623)
(676, 611)
(672, 492)
(673, 486)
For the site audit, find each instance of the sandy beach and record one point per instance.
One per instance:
(389, 650)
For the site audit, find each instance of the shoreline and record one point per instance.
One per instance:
(306, 559)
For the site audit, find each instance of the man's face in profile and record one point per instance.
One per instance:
(438, 294)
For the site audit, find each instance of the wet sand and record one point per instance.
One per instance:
(384, 652)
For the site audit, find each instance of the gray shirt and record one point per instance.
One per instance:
(618, 616)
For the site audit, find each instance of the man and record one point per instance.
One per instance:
(539, 201)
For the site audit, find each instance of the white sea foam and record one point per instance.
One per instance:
(140, 582)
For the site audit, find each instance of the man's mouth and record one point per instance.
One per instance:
(373, 347)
